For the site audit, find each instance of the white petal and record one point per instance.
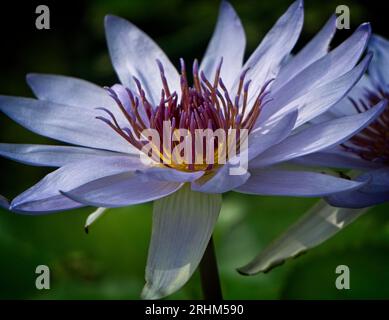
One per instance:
(275, 182)
(318, 225)
(322, 98)
(314, 50)
(182, 226)
(379, 68)
(93, 217)
(73, 92)
(50, 156)
(336, 157)
(333, 65)
(318, 137)
(68, 90)
(345, 107)
(228, 41)
(133, 53)
(45, 196)
(65, 123)
(266, 60)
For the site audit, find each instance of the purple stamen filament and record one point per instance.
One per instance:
(205, 105)
(372, 143)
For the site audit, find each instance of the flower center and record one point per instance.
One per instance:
(372, 143)
(206, 104)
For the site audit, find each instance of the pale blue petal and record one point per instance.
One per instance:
(228, 41)
(133, 53)
(336, 157)
(121, 190)
(45, 196)
(223, 180)
(270, 133)
(169, 174)
(50, 156)
(318, 137)
(333, 65)
(182, 226)
(69, 91)
(376, 191)
(345, 107)
(319, 224)
(379, 68)
(357, 199)
(266, 60)
(322, 98)
(73, 125)
(276, 182)
(314, 50)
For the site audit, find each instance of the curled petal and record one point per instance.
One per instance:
(376, 191)
(98, 213)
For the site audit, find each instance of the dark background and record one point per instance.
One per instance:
(109, 262)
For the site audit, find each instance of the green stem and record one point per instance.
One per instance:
(209, 274)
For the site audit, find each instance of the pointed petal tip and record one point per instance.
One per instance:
(31, 79)
(13, 206)
(226, 5)
(243, 272)
(298, 4)
(150, 293)
(4, 203)
(111, 19)
(93, 217)
(30, 76)
(365, 27)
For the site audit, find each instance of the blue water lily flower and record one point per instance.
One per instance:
(368, 151)
(272, 95)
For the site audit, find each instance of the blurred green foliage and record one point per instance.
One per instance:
(109, 262)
